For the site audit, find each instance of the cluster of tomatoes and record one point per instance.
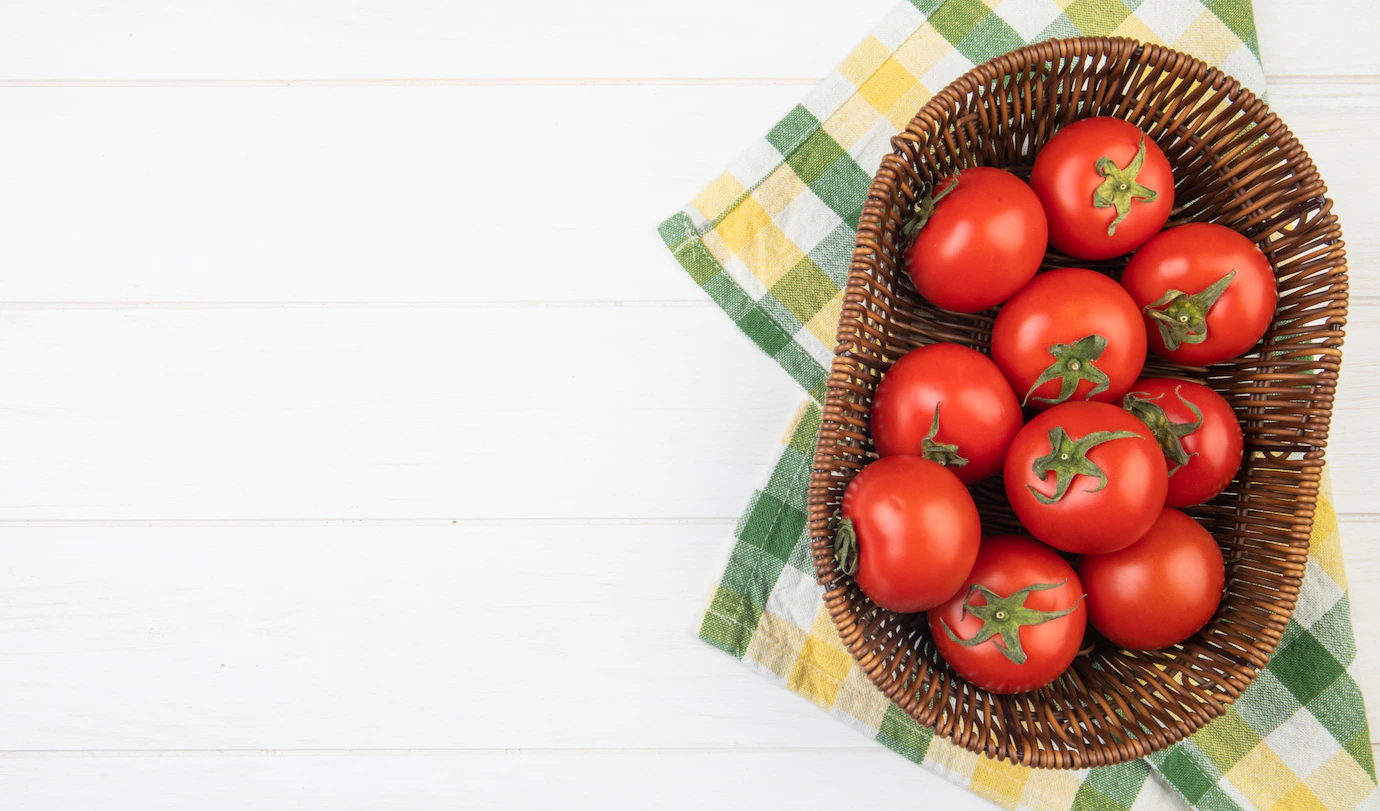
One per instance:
(1106, 456)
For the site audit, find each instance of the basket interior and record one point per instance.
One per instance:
(1235, 164)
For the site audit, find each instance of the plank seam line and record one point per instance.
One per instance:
(545, 81)
(78, 523)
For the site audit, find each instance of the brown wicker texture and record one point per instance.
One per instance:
(1235, 163)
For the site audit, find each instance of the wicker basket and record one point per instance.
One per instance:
(1235, 164)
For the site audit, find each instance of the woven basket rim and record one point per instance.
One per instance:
(1190, 75)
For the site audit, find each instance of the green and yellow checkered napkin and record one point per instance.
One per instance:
(770, 240)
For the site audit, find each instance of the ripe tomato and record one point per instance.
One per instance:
(976, 241)
(1159, 590)
(1086, 477)
(914, 530)
(1208, 293)
(1021, 593)
(1197, 432)
(1106, 188)
(1070, 334)
(949, 404)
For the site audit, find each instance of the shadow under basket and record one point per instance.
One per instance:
(1235, 164)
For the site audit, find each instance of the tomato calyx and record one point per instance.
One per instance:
(846, 547)
(1184, 317)
(1005, 617)
(1068, 458)
(1119, 186)
(1167, 432)
(924, 207)
(935, 451)
(1072, 363)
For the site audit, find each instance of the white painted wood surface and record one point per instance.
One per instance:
(337, 476)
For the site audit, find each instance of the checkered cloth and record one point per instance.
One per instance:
(770, 240)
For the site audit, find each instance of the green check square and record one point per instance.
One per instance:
(991, 37)
(1226, 740)
(793, 130)
(680, 236)
(1214, 799)
(1360, 750)
(834, 254)
(804, 369)
(780, 314)
(806, 432)
(729, 637)
(1097, 18)
(1266, 703)
(763, 331)
(1239, 17)
(750, 573)
(1305, 667)
(1335, 627)
(730, 622)
(843, 187)
(1061, 28)
(789, 479)
(814, 156)
(1111, 788)
(772, 526)
(805, 289)
(902, 735)
(1335, 709)
(955, 18)
(729, 296)
(1186, 776)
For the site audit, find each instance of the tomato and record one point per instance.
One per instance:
(1197, 432)
(1070, 334)
(979, 239)
(1159, 590)
(1106, 188)
(1086, 477)
(1208, 294)
(949, 404)
(1018, 621)
(910, 533)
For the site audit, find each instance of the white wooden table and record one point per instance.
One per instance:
(338, 475)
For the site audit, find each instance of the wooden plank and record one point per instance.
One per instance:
(478, 635)
(498, 780)
(417, 39)
(392, 194)
(426, 412)
(385, 412)
(360, 194)
(474, 635)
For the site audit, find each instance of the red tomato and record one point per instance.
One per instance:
(1208, 293)
(1106, 188)
(914, 529)
(981, 242)
(1070, 334)
(1086, 477)
(1197, 432)
(1159, 590)
(1017, 622)
(949, 404)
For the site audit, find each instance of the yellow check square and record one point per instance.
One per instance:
(770, 254)
(1209, 39)
(999, 782)
(1262, 777)
(742, 224)
(866, 58)
(717, 196)
(885, 87)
